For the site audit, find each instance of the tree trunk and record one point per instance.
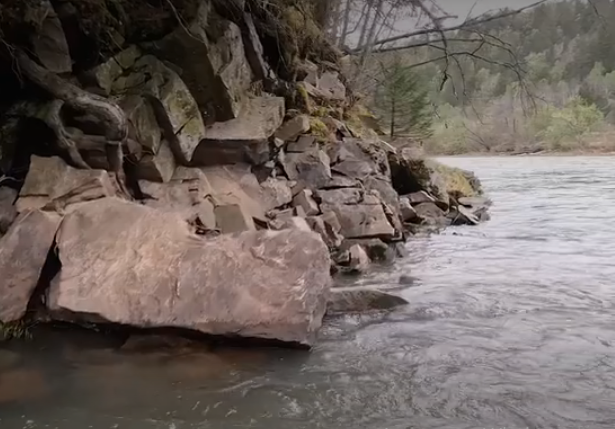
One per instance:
(366, 19)
(393, 119)
(334, 22)
(344, 34)
(371, 36)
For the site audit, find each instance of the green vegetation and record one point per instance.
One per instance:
(543, 80)
(402, 101)
(14, 330)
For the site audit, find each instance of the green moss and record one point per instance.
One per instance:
(15, 330)
(302, 100)
(454, 179)
(355, 122)
(319, 129)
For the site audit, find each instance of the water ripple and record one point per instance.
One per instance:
(510, 325)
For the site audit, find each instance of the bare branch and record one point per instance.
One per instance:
(481, 19)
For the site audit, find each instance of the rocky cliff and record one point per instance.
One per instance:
(198, 165)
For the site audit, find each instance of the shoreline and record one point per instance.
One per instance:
(513, 155)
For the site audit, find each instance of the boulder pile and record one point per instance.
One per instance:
(236, 193)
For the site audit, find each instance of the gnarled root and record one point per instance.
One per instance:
(112, 129)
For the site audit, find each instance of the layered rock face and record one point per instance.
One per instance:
(188, 186)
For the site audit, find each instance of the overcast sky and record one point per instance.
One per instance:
(463, 7)
(459, 8)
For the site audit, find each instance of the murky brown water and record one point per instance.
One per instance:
(512, 325)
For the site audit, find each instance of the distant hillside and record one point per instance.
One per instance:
(544, 79)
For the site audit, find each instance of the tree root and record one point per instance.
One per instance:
(110, 118)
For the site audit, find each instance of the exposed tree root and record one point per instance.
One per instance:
(112, 125)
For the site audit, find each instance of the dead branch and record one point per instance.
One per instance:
(468, 23)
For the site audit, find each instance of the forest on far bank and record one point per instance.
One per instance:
(539, 80)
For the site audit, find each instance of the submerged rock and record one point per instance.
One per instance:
(354, 299)
(265, 284)
(359, 261)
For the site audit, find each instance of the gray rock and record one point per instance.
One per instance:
(461, 215)
(408, 214)
(282, 215)
(407, 280)
(213, 63)
(359, 261)
(341, 196)
(305, 200)
(176, 109)
(236, 184)
(361, 221)
(341, 182)
(245, 138)
(142, 123)
(430, 214)
(278, 190)
(312, 167)
(8, 212)
(372, 198)
(419, 198)
(326, 230)
(231, 218)
(330, 84)
(299, 211)
(255, 52)
(185, 195)
(332, 222)
(377, 250)
(358, 300)
(263, 284)
(293, 128)
(298, 223)
(157, 167)
(51, 178)
(305, 143)
(23, 252)
(108, 76)
(49, 41)
(206, 215)
(341, 257)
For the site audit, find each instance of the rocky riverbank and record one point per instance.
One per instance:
(197, 178)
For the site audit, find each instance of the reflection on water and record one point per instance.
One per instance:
(511, 325)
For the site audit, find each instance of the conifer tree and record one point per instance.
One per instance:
(402, 102)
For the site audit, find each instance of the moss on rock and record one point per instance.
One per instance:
(14, 330)
(455, 180)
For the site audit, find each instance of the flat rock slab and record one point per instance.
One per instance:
(130, 264)
(23, 252)
(51, 178)
(243, 139)
(361, 221)
(237, 185)
(355, 299)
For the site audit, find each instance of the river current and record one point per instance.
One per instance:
(511, 324)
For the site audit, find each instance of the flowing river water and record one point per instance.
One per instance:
(511, 325)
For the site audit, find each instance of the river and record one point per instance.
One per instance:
(511, 325)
